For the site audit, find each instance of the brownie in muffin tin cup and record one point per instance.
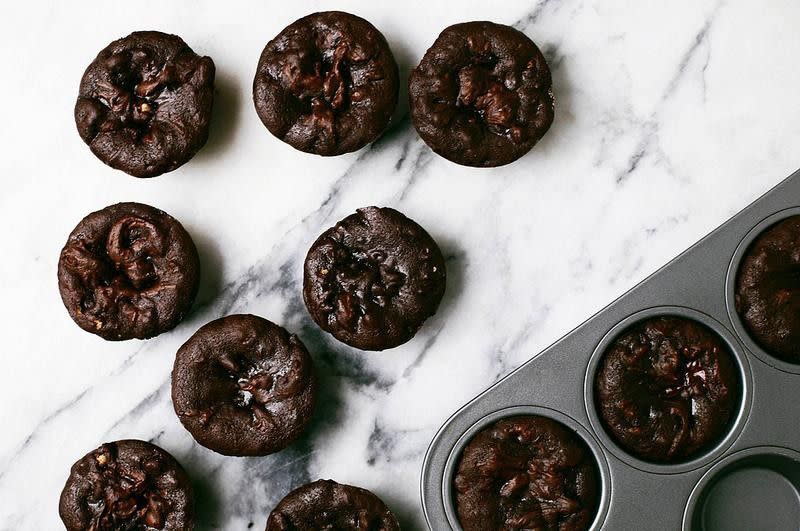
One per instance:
(576, 449)
(373, 279)
(698, 394)
(762, 291)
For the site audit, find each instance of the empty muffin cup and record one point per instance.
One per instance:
(756, 488)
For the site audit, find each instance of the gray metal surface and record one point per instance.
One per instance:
(756, 463)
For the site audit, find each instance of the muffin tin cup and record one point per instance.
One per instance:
(756, 488)
(736, 424)
(762, 441)
(448, 494)
(730, 291)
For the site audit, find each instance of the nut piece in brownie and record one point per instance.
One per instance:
(243, 386)
(127, 485)
(327, 84)
(373, 279)
(667, 389)
(768, 290)
(526, 472)
(482, 94)
(325, 504)
(128, 271)
(144, 103)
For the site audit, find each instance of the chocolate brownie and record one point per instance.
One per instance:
(373, 279)
(129, 484)
(242, 386)
(482, 94)
(325, 504)
(667, 389)
(526, 472)
(144, 103)
(768, 290)
(327, 84)
(128, 271)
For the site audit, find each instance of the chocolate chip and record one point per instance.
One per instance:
(526, 472)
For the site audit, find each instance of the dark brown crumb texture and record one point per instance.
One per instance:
(667, 389)
(526, 472)
(144, 103)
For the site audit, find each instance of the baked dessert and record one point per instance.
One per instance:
(526, 472)
(326, 84)
(127, 485)
(373, 279)
(144, 104)
(243, 386)
(128, 271)
(482, 94)
(667, 389)
(768, 290)
(325, 504)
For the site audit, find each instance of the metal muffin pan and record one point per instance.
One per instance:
(748, 480)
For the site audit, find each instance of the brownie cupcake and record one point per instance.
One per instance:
(243, 386)
(667, 389)
(768, 290)
(128, 271)
(327, 84)
(482, 94)
(325, 504)
(373, 279)
(127, 485)
(526, 472)
(144, 103)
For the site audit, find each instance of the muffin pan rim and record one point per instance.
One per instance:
(730, 291)
(736, 425)
(604, 473)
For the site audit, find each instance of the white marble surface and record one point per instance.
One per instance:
(669, 120)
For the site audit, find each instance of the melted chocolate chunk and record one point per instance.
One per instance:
(327, 84)
(667, 389)
(768, 290)
(325, 504)
(242, 385)
(144, 104)
(482, 94)
(373, 279)
(526, 472)
(128, 271)
(131, 485)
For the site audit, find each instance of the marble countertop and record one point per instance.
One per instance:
(669, 120)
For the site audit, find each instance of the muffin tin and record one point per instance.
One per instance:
(749, 480)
